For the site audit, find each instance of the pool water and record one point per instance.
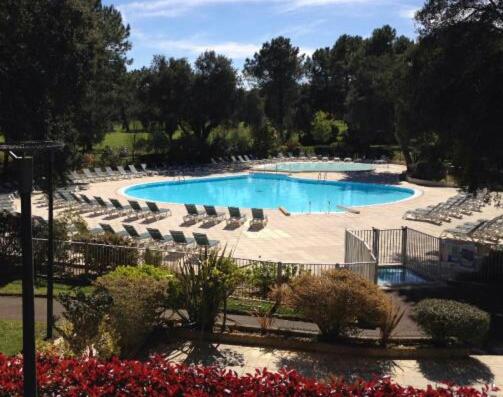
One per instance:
(396, 275)
(269, 191)
(324, 166)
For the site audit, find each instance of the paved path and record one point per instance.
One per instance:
(475, 370)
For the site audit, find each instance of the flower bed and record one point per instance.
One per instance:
(157, 377)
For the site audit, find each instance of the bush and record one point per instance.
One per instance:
(158, 377)
(83, 327)
(264, 276)
(446, 319)
(207, 280)
(339, 301)
(139, 296)
(433, 170)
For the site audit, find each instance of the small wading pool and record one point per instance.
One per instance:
(388, 276)
(269, 191)
(318, 166)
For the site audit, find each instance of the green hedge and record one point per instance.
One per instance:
(445, 320)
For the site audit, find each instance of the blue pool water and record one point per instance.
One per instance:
(396, 275)
(323, 166)
(269, 191)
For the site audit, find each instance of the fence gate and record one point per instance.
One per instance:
(387, 245)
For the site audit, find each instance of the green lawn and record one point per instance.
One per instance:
(14, 287)
(11, 335)
(118, 139)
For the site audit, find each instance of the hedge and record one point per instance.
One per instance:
(158, 377)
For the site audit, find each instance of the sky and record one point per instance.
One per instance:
(237, 28)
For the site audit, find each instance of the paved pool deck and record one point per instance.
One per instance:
(304, 238)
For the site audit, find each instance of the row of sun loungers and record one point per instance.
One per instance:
(108, 174)
(455, 207)
(97, 205)
(176, 239)
(211, 215)
(481, 230)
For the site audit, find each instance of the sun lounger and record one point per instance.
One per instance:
(158, 237)
(113, 174)
(202, 241)
(193, 213)
(212, 215)
(94, 206)
(121, 210)
(139, 211)
(159, 213)
(124, 173)
(147, 171)
(107, 228)
(180, 240)
(135, 172)
(91, 176)
(134, 235)
(103, 175)
(235, 217)
(258, 217)
(105, 208)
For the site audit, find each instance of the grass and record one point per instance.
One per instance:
(118, 139)
(11, 335)
(15, 288)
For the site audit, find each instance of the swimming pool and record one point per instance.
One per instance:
(388, 276)
(317, 166)
(269, 191)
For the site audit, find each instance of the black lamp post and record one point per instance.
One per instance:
(23, 155)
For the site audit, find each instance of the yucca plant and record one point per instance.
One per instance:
(207, 280)
(390, 321)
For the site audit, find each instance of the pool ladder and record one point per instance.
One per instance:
(180, 178)
(322, 176)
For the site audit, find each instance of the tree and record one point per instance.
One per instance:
(59, 63)
(323, 128)
(169, 90)
(370, 101)
(440, 14)
(454, 85)
(212, 98)
(276, 69)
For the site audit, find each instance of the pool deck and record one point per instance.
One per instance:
(305, 238)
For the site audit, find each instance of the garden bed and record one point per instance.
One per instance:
(404, 348)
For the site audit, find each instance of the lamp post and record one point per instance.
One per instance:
(24, 163)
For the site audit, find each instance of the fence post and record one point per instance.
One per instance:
(346, 246)
(279, 273)
(404, 245)
(375, 243)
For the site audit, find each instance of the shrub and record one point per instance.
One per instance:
(82, 328)
(139, 296)
(207, 280)
(338, 301)
(265, 275)
(446, 319)
(158, 377)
